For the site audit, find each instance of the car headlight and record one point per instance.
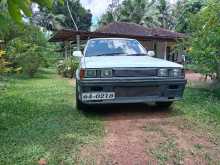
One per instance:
(163, 72)
(106, 73)
(90, 73)
(175, 72)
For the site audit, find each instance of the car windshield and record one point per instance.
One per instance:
(114, 47)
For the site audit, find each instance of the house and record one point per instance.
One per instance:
(161, 41)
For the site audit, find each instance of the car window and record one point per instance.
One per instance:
(114, 47)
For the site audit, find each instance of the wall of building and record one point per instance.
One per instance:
(164, 50)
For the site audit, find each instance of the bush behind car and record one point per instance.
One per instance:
(67, 67)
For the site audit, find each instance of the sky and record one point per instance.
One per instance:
(98, 7)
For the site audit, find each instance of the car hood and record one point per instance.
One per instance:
(125, 61)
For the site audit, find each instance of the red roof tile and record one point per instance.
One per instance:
(119, 29)
(137, 30)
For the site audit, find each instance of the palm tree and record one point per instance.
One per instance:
(165, 16)
(140, 12)
(48, 20)
(150, 13)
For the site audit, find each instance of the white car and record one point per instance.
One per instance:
(120, 70)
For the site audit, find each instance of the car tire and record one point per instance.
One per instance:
(164, 104)
(79, 104)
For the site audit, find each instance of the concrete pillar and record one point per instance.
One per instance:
(70, 49)
(165, 50)
(65, 49)
(78, 42)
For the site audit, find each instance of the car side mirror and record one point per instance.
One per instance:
(77, 53)
(151, 53)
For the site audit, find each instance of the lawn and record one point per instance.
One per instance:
(38, 120)
(202, 106)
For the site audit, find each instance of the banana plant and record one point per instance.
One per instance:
(17, 9)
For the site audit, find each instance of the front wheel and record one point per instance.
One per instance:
(164, 104)
(79, 104)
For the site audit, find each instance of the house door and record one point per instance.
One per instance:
(168, 53)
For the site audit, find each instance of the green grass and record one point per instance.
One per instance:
(201, 105)
(201, 109)
(199, 112)
(168, 151)
(192, 67)
(38, 119)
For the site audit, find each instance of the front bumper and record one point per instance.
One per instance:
(134, 91)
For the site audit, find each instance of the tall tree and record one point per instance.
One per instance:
(165, 14)
(107, 18)
(205, 40)
(137, 11)
(113, 9)
(59, 16)
(182, 12)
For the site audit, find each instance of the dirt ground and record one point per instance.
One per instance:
(137, 134)
(150, 135)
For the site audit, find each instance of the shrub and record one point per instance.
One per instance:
(67, 67)
(30, 62)
(29, 50)
(26, 56)
(4, 64)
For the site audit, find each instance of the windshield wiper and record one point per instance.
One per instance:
(109, 54)
(137, 54)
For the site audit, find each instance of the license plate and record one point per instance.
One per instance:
(98, 96)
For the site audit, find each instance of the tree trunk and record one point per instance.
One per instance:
(218, 73)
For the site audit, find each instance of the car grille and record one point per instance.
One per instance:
(137, 91)
(146, 72)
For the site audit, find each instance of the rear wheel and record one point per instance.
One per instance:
(164, 104)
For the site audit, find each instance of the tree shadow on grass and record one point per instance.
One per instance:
(130, 111)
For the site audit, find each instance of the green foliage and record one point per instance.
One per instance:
(29, 50)
(156, 13)
(106, 18)
(165, 16)
(4, 64)
(59, 17)
(67, 67)
(38, 120)
(17, 8)
(29, 61)
(11, 30)
(82, 16)
(183, 11)
(205, 39)
(140, 12)
(148, 13)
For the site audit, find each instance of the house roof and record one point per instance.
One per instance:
(119, 29)
(138, 30)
